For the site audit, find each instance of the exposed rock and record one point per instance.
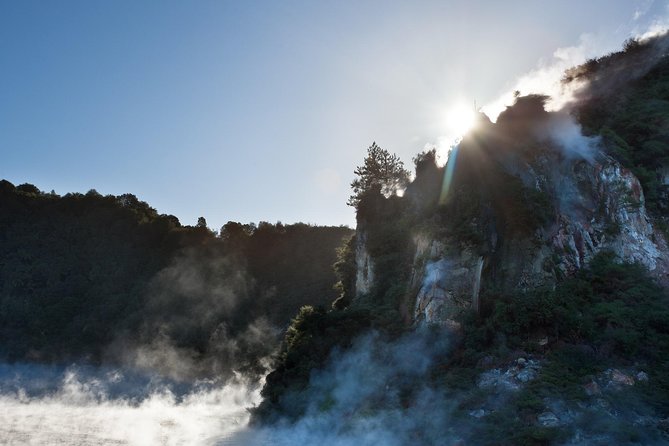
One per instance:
(446, 284)
(548, 419)
(582, 439)
(618, 378)
(562, 411)
(613, 380)
(592, 204)
(602, 404)
(364, 278)
(526, 375)
(511, 378)
(496, 378)
(600, 206)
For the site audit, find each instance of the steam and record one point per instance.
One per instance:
(657, 27)
(546, 78)
(563, 131)
(202, 280)
(379, 392)
(93, 406)
(197, 323)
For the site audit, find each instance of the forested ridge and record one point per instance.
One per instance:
(84, 275)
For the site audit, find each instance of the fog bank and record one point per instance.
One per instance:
(92, 406)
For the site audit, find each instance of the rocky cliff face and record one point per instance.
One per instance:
(593, 204)
(364, 277)
(445, 282)
(611, 215)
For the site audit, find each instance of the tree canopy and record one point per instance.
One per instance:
(382, 171)
(82, 274)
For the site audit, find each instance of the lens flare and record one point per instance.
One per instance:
(448, 175)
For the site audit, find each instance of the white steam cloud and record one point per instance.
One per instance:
(187, 331)
(563, 130)
(377, 393)
(546, 78)
(78, 406)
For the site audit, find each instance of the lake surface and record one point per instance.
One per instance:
(56, 406)
(53, 423)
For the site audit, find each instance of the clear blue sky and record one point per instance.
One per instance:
(253, 110)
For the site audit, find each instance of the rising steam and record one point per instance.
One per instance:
(547, 78)
(79, 406)
(196, 323)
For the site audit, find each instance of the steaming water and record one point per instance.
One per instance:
(375, 393)
(79, 406)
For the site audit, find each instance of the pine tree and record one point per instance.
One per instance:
(380, 170)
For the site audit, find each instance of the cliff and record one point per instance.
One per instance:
(531, 199)
(516, 294)
(590, 202)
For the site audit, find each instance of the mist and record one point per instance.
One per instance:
(77, 405)
(378, 392)
(186, 357)
(559, 80)
(568, 135)
(198, 322)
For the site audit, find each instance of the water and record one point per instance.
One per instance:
(84, 406)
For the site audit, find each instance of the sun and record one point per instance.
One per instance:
(460, 119)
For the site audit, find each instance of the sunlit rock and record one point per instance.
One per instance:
(364, 278)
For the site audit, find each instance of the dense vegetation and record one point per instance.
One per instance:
(634, 122)
(85, 276)
(79, 273)
(609, 316)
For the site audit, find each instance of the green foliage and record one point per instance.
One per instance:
(79, 271)
(74, 269)
(610, 305)
(345, 270)
(425, 189)
(381, 171)
(633, 122)
(290, 264)
(313, 334)
(508, 427)
(608, 315)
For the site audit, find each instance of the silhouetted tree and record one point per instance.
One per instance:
(381, 170)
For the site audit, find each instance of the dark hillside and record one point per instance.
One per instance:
(80, 273)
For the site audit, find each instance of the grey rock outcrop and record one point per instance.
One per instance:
(364, 278)
(596, 204)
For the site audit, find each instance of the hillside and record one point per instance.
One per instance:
(516, 294)
(107, 279)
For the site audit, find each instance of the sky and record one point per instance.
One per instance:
(260, 110)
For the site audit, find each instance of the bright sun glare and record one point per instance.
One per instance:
(460, 119)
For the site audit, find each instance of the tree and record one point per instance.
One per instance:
(381, 171)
